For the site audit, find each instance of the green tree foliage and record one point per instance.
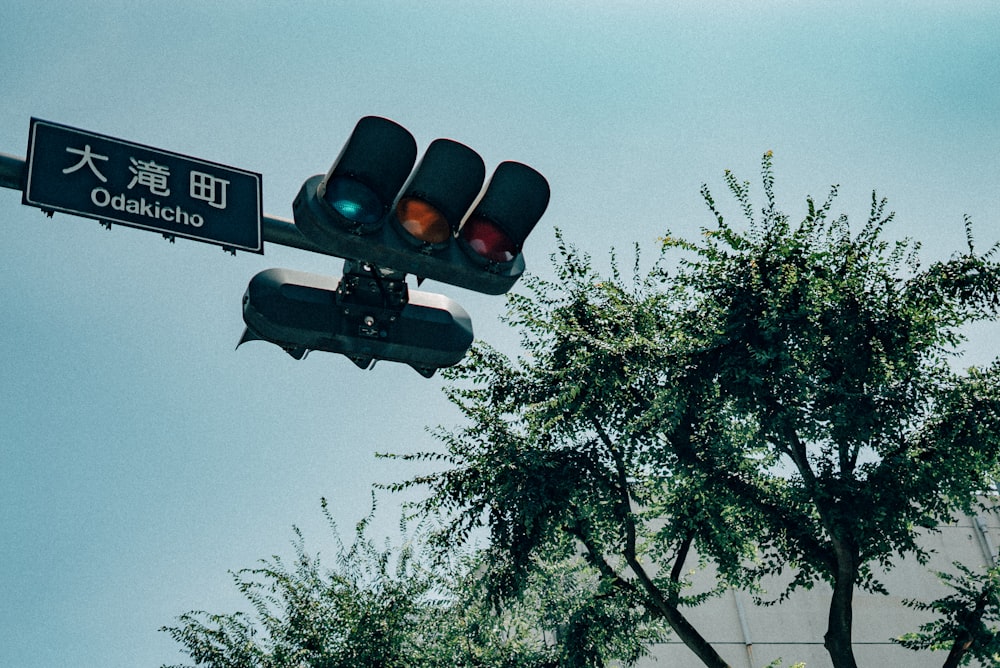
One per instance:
(304, 615)
(780, 397)
(967, 622)
(384, 607)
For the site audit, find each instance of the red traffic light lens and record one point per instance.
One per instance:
(353, 200)
(488, 240)
(422, 220)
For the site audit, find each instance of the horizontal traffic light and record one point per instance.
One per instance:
(436, 222)
(365, 317)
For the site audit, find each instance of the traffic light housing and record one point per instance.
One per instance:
(436, 222)
(389, 219)
(367, 315)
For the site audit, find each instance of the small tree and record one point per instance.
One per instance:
(780, 397)
(397, 607)
(359, 613)
(968, 620)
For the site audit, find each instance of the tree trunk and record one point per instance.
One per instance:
(666, 605)
(838, 639)
(958, 650)
(968, 620)
(690, 637)
(660, 604)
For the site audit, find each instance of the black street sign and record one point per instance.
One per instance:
(117, 181)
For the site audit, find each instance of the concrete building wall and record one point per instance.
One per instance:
(793, 629)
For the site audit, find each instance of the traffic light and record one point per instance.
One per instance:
(370, 208)
(368, 315)
(389, 219)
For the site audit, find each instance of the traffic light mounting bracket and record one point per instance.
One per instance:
(375, 296)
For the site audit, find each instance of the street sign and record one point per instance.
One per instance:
(117, 181)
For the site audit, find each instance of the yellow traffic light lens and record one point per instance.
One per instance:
(488, 240)
(422, 220)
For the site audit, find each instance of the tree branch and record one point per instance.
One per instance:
(666, 606)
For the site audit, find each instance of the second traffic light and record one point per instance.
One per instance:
(435, 221)
(368, 315)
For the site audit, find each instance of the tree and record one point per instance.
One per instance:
(781, 397)
(397, 607)
(967, 620)
(355, 614)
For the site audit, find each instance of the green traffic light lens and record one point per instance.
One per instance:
(353, 200)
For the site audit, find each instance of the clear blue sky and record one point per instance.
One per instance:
(141, 457)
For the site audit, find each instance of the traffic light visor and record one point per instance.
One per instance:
(422, 221)
(353, 200)
(488, 240)
(515, 199)
(439, 193)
